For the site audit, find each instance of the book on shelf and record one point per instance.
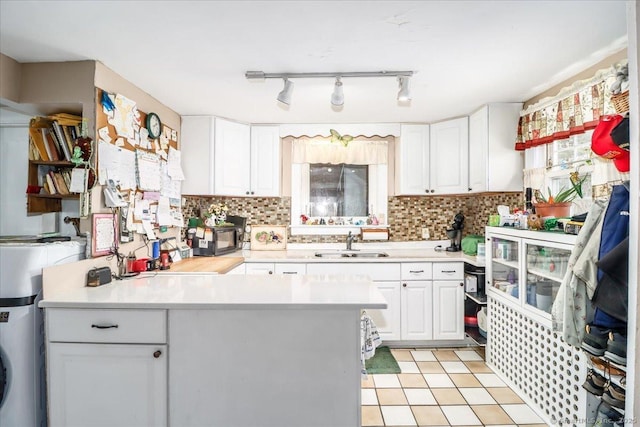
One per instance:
(34, 154)
(48, 184)
(61, 186)
(49, 146)
(53, 144)
(62, 140)
(35, 133)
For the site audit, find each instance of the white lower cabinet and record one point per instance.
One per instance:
(388, 321)
(107, 385)
(95, 383)
(259, 268)
(416, 301)
(448, 310)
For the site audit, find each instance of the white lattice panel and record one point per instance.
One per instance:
(535, 360)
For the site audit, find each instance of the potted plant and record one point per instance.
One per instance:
(559, 205)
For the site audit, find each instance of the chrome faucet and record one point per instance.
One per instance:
(350, 239)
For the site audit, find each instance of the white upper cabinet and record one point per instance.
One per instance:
(232, 158)
(494, 163)
(265, 161)
(226, 158)
(196, 146)
(449, 153)
(412, 153)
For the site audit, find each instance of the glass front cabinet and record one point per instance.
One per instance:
(526, 267)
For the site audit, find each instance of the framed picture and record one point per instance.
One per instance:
(268, 237)
(104, 234)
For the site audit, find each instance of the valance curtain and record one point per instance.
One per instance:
(574, 110)
(322, 150)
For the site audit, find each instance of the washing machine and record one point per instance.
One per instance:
(22, 362)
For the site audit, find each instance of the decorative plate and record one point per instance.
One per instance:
(268, 237)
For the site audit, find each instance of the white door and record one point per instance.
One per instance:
(413, 160)
(449, 156)
(448, 310)
(478, 148)
(196, 148)
(232, 158)
(416, 302)
(265, 161)
(107, 385)
(388, 321)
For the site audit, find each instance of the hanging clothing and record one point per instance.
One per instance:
(369, 340)
(572, 305)
(611, 295)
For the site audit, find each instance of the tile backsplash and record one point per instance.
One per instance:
(407, 214)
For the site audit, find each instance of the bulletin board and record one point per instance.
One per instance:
(147, 171)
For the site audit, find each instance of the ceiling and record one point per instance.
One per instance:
(192, 55)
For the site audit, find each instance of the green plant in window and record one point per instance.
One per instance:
(564, 195)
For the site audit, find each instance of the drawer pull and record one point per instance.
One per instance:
(289, 272)
(104, 326)
(448, 271)
(157, 353)
(416, 271)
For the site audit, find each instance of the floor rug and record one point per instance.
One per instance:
(382, 362)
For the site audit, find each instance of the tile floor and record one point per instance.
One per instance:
(442, 387)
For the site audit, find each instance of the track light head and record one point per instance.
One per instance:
(403, 93)
(337, 97)
(285, 95)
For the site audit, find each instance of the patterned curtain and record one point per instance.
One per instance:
(574, 110)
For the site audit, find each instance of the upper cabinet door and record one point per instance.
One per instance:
(450, 156)
(413, 160)
(196, 147)
(495, 165)
(265, 161)
(478, 149)
(232, 158)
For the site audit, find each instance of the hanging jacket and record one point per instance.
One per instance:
(572, 305)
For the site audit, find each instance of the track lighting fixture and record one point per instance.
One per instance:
(337, 97)
(403, 93)
(285, 95)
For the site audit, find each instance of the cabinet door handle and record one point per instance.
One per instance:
(157, 353)
(470, 188)
(416, 271)
(289, 272)
(447, 271)
(404, 285)
(104, 326)
(252, 192)
(247, 193)
(270, 272)
(433, 191)
(461, 284)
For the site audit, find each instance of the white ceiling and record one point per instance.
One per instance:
(192, 55)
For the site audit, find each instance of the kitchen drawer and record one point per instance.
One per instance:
(380, 271)
(290, 268)
(416, 270)
(448, 271)
(107, 326)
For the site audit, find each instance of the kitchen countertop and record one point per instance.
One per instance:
(206, 291)
(203, 264)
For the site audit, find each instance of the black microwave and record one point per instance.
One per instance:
(213, 241)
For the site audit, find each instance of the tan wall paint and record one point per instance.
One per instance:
(108, 80)
(9, 78)
(585, 74)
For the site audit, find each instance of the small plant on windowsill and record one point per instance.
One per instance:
(559, 205)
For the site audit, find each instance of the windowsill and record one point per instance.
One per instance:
(329, 230)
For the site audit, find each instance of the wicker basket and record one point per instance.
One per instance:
(620, 102)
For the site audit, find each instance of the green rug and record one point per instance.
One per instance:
(382, 362)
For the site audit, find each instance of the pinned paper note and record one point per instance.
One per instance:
(103, 133)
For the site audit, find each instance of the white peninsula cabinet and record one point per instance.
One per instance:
(433, 159)
(227, 158)
(494, 163)
(107, 367)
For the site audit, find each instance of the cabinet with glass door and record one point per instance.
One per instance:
(504, 271)
(546, 264)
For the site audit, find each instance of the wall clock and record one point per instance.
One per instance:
(154, 125)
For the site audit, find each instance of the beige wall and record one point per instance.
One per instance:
(585, 74)
(9, 78)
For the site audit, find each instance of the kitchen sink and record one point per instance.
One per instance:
(351, 254)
